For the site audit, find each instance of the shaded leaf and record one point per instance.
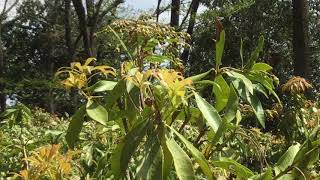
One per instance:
(75, 127)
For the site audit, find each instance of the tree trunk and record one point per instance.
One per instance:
(67, 26)
(192, 21)
(2, 74)
(175, 13)
(300, 37)
(78, 5)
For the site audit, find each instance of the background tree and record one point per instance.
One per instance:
(300, 37)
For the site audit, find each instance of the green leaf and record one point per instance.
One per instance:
(75, 127)
(287, 158)
(263, 176)
(122, 154)
(253, 100)
(156, 58)
(242, 78)
(209, 112)
(181, 161)
(221, 91)
(233, 166)
(261, 67)
(97, 112)
(232, 105)
(219, 49)
(198, 77)
(152, 159)
(257, 109)
(197, 155)
(255, 54)
(102, 86)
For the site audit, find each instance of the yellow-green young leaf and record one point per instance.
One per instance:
(181, 161)
(102, 86)
(75, 127)
(233, 166)
(197, 155)
(97, 112)
(156, 58)
(220, 48)
(261, 67)
(287, 158)
(221, 92)
(209, 112)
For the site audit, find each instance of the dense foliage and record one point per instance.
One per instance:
(114, 98)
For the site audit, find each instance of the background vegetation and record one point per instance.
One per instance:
(222, 90)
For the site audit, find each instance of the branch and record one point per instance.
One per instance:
(10, 8)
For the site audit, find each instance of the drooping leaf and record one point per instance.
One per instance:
(209, 112)
(261, 67)
(242, 78)
(253, 100)
(220, 48)
(197, 155)
(181, 161)
(97, 112)
(233, 166)
(75, 127)
(124, 151)
(102, 86)
(287, 158)
(221, 91)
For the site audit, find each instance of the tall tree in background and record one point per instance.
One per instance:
(300, 37)
(90, 17)
(3, 16)
(175, 13)
(194, 6)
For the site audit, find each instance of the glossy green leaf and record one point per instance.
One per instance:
(97, 112)
(152, 159)
(232, 105)
(257, 109)
(242, 78)
(261, 67)
(221, 91)
(75, 127)
(209, 112)
(220, 48)
(287, 158)
(233, 166)
(102, 86)
(197, 155)
(181, 161)
(198, 77)
(122, 154)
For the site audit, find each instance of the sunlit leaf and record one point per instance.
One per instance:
(197, 155)
(97, 112)
(209, 112)
(181, 161)
(232, 165)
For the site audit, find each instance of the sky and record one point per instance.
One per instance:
(142, 4)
